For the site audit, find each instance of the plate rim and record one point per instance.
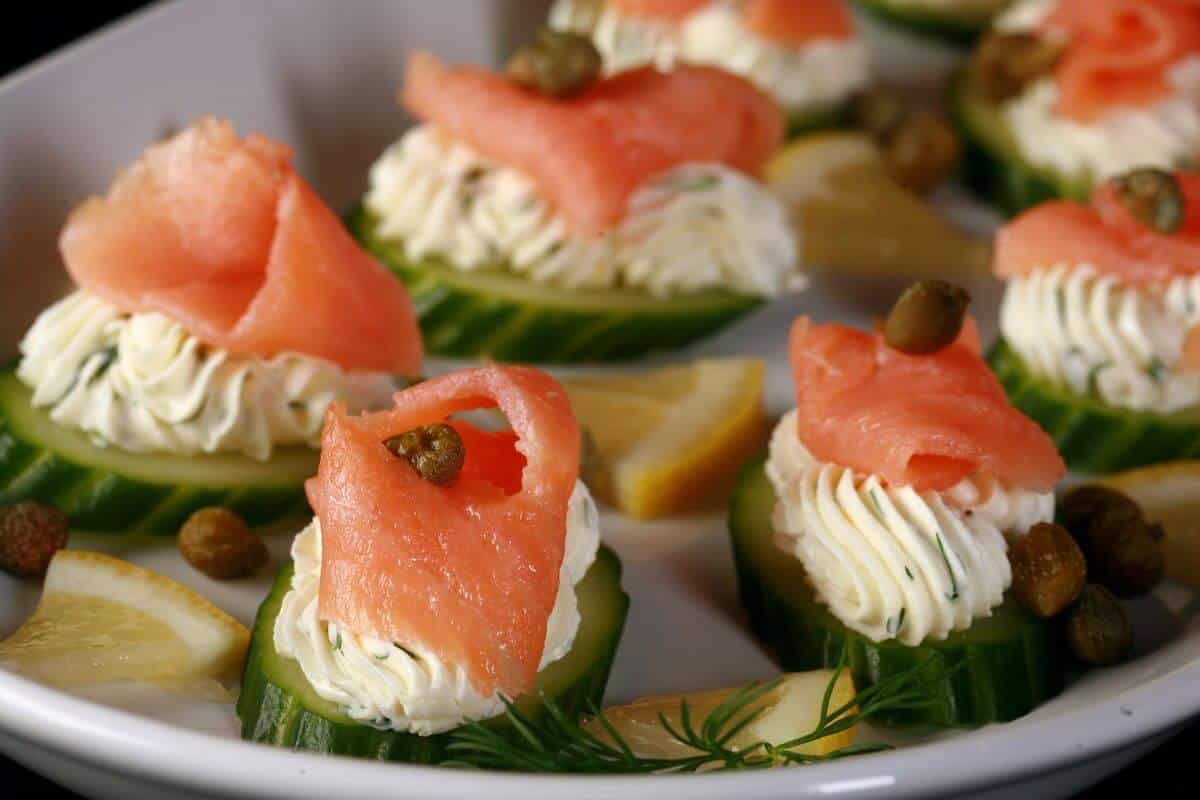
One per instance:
(127, 744)
(134, 746)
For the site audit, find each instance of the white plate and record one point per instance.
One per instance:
(321, 75)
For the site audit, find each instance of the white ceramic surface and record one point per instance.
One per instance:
(321, 74)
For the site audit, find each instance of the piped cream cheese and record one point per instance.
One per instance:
(891, 562)
(819, 76)
(624, 42)
(1086, 332)
(1024, 15)
(696, 227)
(140, 382)
(403, 686)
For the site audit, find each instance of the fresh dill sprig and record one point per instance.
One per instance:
(1093, 377)
(105, 359)
(949, 569)
(878, 506)
(695, 183)
(1156, 370)
(557, 743)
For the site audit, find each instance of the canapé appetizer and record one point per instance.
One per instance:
(1065, 94)
(879, 520)
(625, 217)
(447, 568)
(221, 308)
(1099, 320)
(804, 53)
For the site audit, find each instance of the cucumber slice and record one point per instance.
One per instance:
(1002, 667)
(1093, 437)
(278, 705)
(960, 26)
(506, 317)
(802, 123)
(106, 490)
(993, 165)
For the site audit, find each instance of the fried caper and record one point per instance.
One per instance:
(1081, 505)
(1124, 554)
(1098, 630)
(30, 534)
(878, 112)
(556, 63)
(436, 452)
(1123, 551)
(1005, 63)
(1048, 569)
(920, 148)
(928, 316)
(923, 151)
(220, 544)
(1153, 197)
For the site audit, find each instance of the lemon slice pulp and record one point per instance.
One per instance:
(672, 439)
(789, 711)
(1170, 495)
(852, 217)
(103, 620)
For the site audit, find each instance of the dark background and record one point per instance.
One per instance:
(25, 37)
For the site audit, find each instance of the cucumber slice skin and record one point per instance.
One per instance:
(1093, 437)
(277, 705)
(951, 26)
(1000, 669)
(993, 168)
(101, 499)
(802, 123)
(462, 318)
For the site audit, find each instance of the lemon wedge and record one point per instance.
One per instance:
(789, 711)
(103, 620)
(1169, 494)
(852, 217)
(673, 439)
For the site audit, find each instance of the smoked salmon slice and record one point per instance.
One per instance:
(223, 236)
(1119, 52)
(590, 152)
(469, 571)
(795, 23)
(1103, 235)
(791, 23)
(922, 421)
(660, 10)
